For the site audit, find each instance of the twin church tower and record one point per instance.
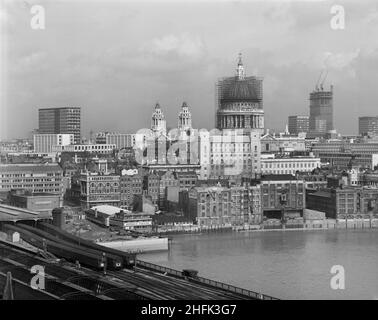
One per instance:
(239, 105)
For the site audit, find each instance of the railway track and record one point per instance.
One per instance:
(192, 288)
(166, 287)
(127, 284)
(65, 282)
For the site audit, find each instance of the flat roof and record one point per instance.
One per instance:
(277, 177)
(106, 209)
(36, 194)
(10, 213)
(17, 167)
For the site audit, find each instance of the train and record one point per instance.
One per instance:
(112, 261)
(128, 259)
(60, 250)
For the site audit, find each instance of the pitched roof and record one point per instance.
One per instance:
(10, 213)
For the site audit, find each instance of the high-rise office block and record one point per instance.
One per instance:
(65, 120)
(321, 111)
(368, 126)
(298, 124)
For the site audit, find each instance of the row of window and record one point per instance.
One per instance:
(265, 164)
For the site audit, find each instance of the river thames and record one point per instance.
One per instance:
(284, 264)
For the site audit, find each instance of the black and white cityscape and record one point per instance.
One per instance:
(189, 150)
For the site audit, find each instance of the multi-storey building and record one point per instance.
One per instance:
(100, 137)
(224, 206)
(43, 143)
(210, 206)
(280, 193)
(321, 111)
(298, 124)
(273, 164)
(341, 154)
(76, 148)
(313, 181)
(368, 126)
(152, 186)
(33, 177)
(157, 184)
(120, 140)
(240, 205)
(167, 179)
(255, 203)
(16, 146)
(97, 189)
(346, 201)
(61, 120)
(35, 201)
(186, 180)
(131, 186)
(278, 143)
(234, 154)
(240, 102)
(369, 179)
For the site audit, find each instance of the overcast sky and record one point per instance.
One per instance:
(117, 59)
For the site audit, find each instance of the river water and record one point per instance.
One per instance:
(284, 264)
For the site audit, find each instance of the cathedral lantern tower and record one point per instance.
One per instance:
(158, 124)
(240, 101)
(185, 118)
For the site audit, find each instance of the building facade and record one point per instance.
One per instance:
(344, 202)
(152, 186)
(43, 143)
(167, 179)
(278, 143)
(187, 180)
(297, 124)
(218, 206)
(95, 148)
(341, 154)
(131, 186)
(234, 154)
(210, 206)
(98, 189)
(65, 120)
(272, 164)
(321, 111)
(281, 193)
(120, 140)
(37, 202)
(38, 178)
(368, 126)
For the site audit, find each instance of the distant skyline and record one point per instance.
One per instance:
(117, 59)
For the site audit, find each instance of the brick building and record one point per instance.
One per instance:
(131, 186)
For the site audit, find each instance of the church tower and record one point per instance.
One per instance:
(158, 124)
(185, 118)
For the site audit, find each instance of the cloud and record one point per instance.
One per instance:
(183, 45)
(29, 64)
(339, 60)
